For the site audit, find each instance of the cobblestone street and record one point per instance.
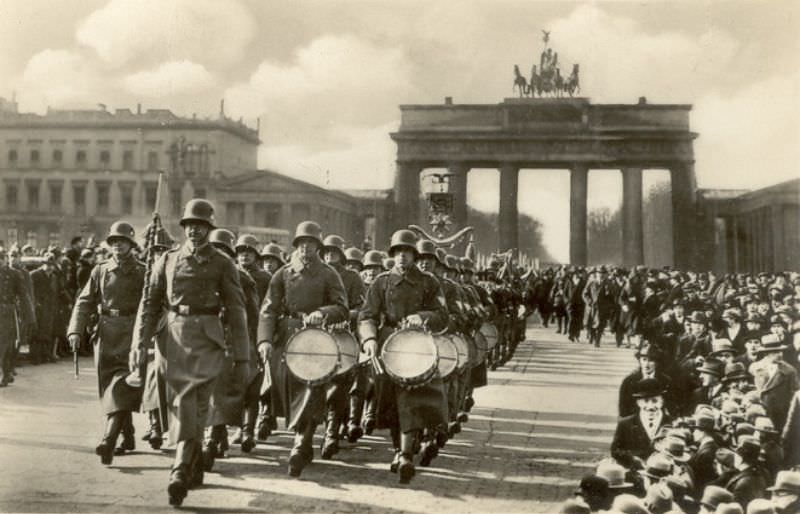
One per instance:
(535, 430)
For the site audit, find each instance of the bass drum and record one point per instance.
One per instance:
(462, 351)
(348, 350)
(489, 331)
(448, 355)
(312, 356)
(481, 347)
(409, 357)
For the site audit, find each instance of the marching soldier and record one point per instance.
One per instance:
(353, 259)
(338, 390)
(194, 283)
(412, 297)
(25, 315)
(15, 314)
(372, 267)
(113, 291)
(271, 261)
(248, 259)
(271, 258)
(304, 291)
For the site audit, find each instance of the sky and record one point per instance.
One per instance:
(326, 77)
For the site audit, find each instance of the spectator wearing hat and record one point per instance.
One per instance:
(749, 482)
(701, 463)
(776, 380)
(650, 361)
(760, 506)
(657, 467)
(751, 345)
(634, 434)
(725, 467)
(628, 504)
(771, 449)
(733, 331)
(786, 492)
(46, 287)
(594, 490)
(736, 380)
(697, 342)
(599, 297)
(722, 349)
(658, 499)
(575, 506)
(713, 497)
(729, 508)
(710, 372)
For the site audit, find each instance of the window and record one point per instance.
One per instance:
(55, 197)
(12, 157)
(102, 197)
(150, 194)
(11, 196)
(152, 161)
(268, 214)
(33, 197)
(80, 158)
(79, 198)
(126, 198)
(105, 158)
(34, 158)
(176, 200)
(235, 213)
(58, 156)
(127, 160)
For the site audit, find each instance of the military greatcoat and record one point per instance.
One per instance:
(295, 290)
(193, 285)
(394, 296)
(15, 310)
(113, 292)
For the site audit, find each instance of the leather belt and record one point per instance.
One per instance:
(188, 310)
(115, 313)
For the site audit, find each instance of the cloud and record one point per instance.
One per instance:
(170, 78)
(205, 31)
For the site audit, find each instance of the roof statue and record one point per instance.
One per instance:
(546, 79)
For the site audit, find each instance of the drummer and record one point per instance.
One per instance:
(478, 374)
(461, 383)
(373, 266)
(338, 389)
(271, 261)
(404, 295)
(303, 292)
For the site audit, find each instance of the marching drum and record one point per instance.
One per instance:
(448, 355)
(481, 347)
(489, 332)
(409, 357)
(348, 350)
(462, 351)
(312, 356)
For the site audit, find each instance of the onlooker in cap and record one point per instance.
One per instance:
(593, 490)
(725, 466)
(760, 506)
(614, 475)
(710, 373)
(658, 499)
(702, 462)
(713, 496)
(649, 362)
(771, 450)
(786, 492)
(634, 434)
(776, 380)
(749, 483)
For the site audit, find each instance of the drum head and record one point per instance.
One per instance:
(462, 350)
(312, 355)
(448, 355)
(481, 346)
(348, 350)
(409, 355)
(489, 332)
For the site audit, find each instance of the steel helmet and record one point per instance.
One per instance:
(121, 229)
(467, 264)
(335, 242)
(272, 250)
(403, 239)
(426, 247)
(163, 239)
(309, 229)
(353, 254)
(373, 258)
(198, 209)
(388, 263)
(247, 241)
(451, 261)
(224, 238)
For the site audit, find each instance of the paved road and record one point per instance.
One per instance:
(536, 429)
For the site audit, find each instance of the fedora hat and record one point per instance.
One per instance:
(675, 449)
(787, 481)
(764, 424)
(712, 367)
(771, 343)
(760, 506)
(722, 345)
(648, 350)
(748, 447)
(735, 371)
(614, 474)
(657, 467)
(703, 421)
(647, 388)
(698, 317)
(714, 495)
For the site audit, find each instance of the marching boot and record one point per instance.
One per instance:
(248, 442)
(463, 417)
(354, 430)
(369, 416)
(453, 428)
(178, 484)
(156, 438)
(303, 452)
(128, 442)
(441, 437)
(237, 436)
(211, 448)
(106, 447)
(221, 435)
(469, 403)
(430, 451)
(196, 465)
(405, 467)
(330, 442)
(265, 424)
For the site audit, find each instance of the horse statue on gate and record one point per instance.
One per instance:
(520, 83)
(573, 83)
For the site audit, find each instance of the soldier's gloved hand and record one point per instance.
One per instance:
(315, 318)
(134, 358)
(265, 352)
(74, 342)
(414, 320)
(370, 348)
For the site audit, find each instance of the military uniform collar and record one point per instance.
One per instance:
(202, 253)
(297, 265)
(113, 264)
(412, 275)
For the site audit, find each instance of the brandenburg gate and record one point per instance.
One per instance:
(546, 133)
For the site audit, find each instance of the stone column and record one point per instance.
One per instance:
(406, 194)
(458, 187)
(508, 218)
(736, 243)
(578, 254)
(632, 240)
(683, 215)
